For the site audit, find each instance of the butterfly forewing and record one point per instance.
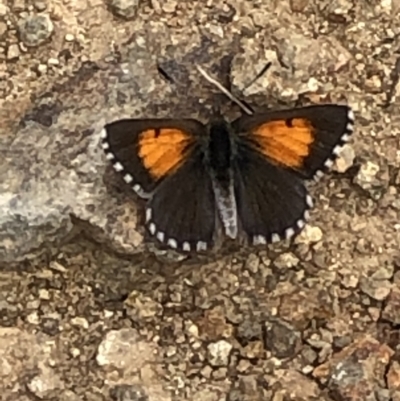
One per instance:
(305, 140)
(145, 152)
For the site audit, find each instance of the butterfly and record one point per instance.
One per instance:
(247, 175)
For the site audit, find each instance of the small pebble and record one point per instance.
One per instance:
(126, 9)
(309, 235)
(69, 37)
(3, 28)
(3, 10)
(40, 5)
(345, 159)
(33, 318)
(13, 52)
(42, 68)
(286, 261)
(80, 322)
(18, 5)
(298, 5)
(53, 61)
(218, 353)
(366, 176)
(44, 294)
(169, 6)
(375, 289)
(373, 179)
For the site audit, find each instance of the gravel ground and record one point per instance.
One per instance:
(90, 311)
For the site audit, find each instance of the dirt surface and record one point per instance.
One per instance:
(91, 311)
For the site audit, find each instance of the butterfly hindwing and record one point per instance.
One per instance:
(181, 213)
(272, 203)
(147, 151)
(305, 140)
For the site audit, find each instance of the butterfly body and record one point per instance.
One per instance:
(248, 175)
(220, 158)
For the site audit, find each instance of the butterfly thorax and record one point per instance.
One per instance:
(219, 152)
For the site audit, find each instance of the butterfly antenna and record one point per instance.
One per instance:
(164, 74)
(224, 90)
(259, 75)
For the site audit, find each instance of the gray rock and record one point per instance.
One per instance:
(249, 329)
(282, 339)
(55, 177)
(340, 342)
(35, 29)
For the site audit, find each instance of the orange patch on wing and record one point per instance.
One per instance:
(163, 150)
(286, 142)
